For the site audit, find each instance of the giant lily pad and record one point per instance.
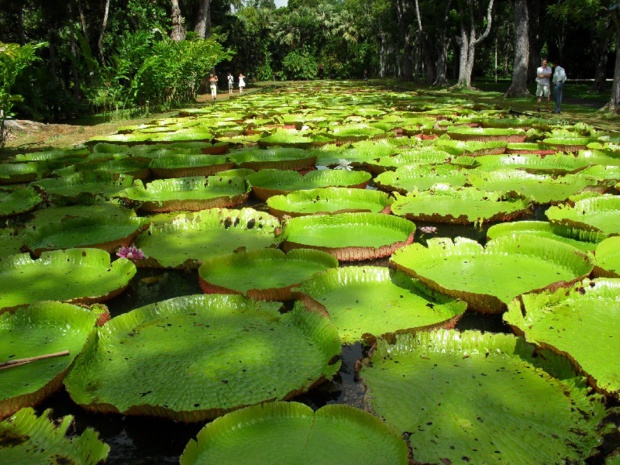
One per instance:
(328, 200)
(27, 439)
(266, 274)
(489, 278)
(38, 330)
(275, 158)
(84, 229)
(188, 240)
(483, 398)
(541, 188)
(464, 205)
(349, 236)
(292, 432)
(371, 301)
(73, 275)
(582, 323)
(487, 134)
(197, 357)
(14, 173)
(84, 187)
(420, 177)
(188, 165)
(16, 201)
(556, 164)
(607, 258)
(471, 148)
(287, 138)
(567, 144)
(537, 228)
(267, 183)
(359, 153)
(596, 215)
(192, 194)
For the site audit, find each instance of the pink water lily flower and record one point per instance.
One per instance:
(428, 229)
(132, 253)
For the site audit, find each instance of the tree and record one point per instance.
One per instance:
(518, 86)
(203, 23)
(178, 23)
(468, 39)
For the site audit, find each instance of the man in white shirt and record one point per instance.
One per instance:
(543, 83)
(559, 78)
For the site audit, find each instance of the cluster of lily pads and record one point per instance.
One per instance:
(314, 218)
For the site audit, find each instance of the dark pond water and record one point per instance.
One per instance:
(148, 440)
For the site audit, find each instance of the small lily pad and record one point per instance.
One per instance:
(367, 302)
(266, 274)
(292, 432)
(349, 236)
(72, 275)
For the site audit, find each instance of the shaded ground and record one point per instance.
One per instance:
(578, 105)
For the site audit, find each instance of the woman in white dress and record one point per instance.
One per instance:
(241, 82)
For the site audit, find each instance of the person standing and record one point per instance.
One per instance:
(213, 86)
(231, 81)
(241, 82)
(559, 78)
(543, 83)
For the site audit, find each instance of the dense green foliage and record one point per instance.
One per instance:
(143, 55)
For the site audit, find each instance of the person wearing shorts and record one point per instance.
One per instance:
(231, 82)
(213, 86)
(543, 83)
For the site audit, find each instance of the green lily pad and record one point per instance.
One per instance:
(285, 137)
(471, 148)
(285, 158)
(582, 323)
(416, 156)
(349, 236)
(607, 258)
(10, 243)
(487, 134)
(189, 239)
(596, 215)
(557, 164)
(190, 194)
(541, 188)
(54, 155)
(488, 278)
(136, 167)
(15, 173)
(567, 144)
(82, 231)
(464, 205)
(84, 187)
(208, 368)
(28, 439)
(537, 228)
(358, 153)
(188, 165)
(87, 276)
(328, 200)
(266, 274)
(267, 183)
(40, 329)
(409, 178)
(528, 148)
(16, 201)
(367, 302)
(292, 432)
(488, 397)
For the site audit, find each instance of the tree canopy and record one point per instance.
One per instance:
(154, 54)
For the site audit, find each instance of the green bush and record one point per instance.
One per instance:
(299, 65)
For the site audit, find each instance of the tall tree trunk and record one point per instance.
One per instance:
(601, 48)
(468, 40)
(203, 25)
(441, 46)
(534, 36)
(178, 23)
(20, 22)
(518, 86)
(104, 23)
(614, 102)
(405, 62)
(74, 54)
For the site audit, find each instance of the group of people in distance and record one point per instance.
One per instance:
(545, 76)
(231, 83)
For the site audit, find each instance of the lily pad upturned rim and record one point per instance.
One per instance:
(504, 246)
(386, 444)
(214, 377)
(19, 201)
(607, 258)
(352, 253)
(526, 317)
(246, 259)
